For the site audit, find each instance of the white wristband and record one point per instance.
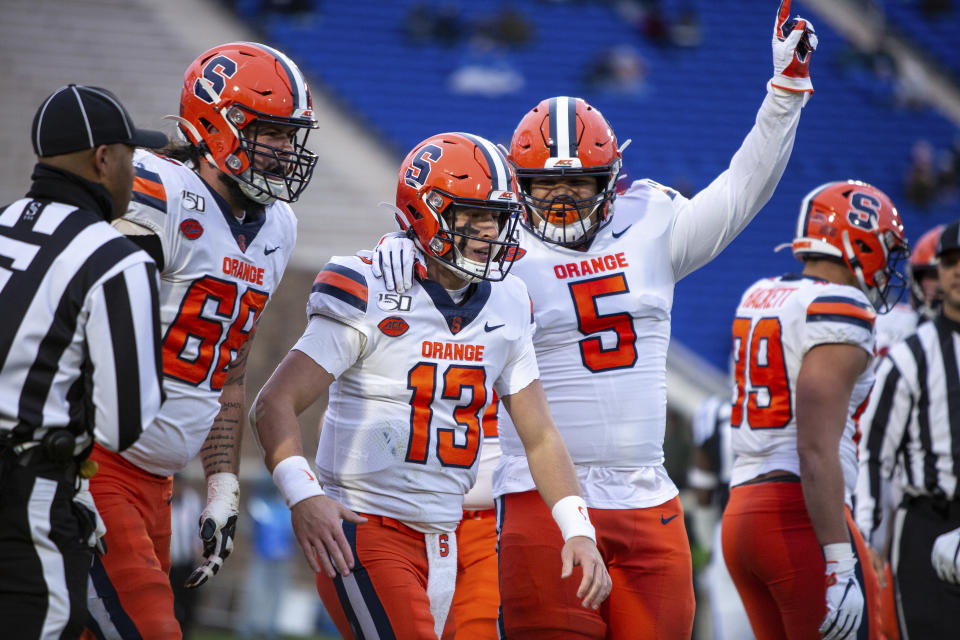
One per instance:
(295, 479)
(837, 551)
(573, 519)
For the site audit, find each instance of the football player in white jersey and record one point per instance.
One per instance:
(601, 277)
(410, 377)
(803, 352)
(214, 215)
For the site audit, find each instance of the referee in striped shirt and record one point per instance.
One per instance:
(912, 426)
(79, 353)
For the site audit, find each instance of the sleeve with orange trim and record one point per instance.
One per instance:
(840, 317)
(148, 189)
(154, 204)
(340, 292)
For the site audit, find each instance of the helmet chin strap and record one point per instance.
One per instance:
(253, 189)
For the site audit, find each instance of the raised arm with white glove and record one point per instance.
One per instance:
(945, 556)
(794, 39)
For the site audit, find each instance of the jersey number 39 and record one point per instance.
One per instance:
(758, 356)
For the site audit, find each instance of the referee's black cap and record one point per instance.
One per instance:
(949, 238)
(77, 117)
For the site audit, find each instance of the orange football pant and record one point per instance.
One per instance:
(385, 595)
(130, 594)
(776, 563)
(476, 602)
(646, 552)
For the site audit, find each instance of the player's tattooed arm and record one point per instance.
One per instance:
(221, 450)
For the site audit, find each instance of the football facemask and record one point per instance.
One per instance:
(566, 138)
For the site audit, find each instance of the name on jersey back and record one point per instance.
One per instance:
(768, 298)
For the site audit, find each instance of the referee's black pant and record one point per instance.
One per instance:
(44, 557)
(927, 607)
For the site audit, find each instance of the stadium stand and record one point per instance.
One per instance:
(694, 108)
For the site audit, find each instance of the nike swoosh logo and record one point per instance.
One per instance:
(488, 328)
(662, 519)
(267, 252)
(617, 234)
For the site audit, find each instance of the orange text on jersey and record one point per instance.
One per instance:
(768, 298)
(452, 351)
(243, 270)
(589, 267)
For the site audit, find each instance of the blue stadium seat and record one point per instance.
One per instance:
(691, 116)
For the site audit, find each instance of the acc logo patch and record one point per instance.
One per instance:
(191, 228)
(394, 302)
(514, 253)
(393, 326)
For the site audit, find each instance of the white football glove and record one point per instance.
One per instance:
(394, 260)
(945, 556)
(84, 500)
(794, 41)
(218, 525)
(844, 597)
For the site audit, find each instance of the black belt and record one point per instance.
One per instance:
(55, 448)
(941, 505)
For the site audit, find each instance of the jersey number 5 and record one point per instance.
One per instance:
(595, 357)
(759, 354)
(422, 379)
(190, 346)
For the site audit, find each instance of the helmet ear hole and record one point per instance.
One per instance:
(209, 127)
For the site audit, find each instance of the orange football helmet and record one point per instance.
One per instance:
(562, 137)
(857, 223)
(453, 170)
(229, 93)
(923, 262)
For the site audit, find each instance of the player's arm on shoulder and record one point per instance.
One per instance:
(553, 472)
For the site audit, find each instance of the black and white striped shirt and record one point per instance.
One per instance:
(79, 335)
(912, 421)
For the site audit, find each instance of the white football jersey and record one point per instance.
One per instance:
(402, 433)
(603, 316)
(217, 276)
(778, 321)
